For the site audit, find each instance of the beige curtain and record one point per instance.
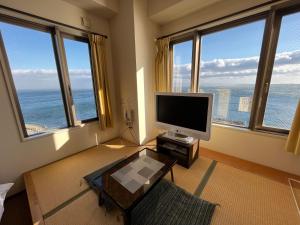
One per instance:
(98, 56)
(293, 141)
(162, 67)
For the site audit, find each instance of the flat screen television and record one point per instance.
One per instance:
(185, 114)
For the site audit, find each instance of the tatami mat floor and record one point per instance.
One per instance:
(245, 199)
(295, 184)
(249, 199)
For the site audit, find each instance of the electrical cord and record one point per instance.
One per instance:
(133, 135)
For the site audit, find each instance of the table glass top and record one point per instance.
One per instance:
(127, 182)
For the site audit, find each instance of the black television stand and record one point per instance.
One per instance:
(185, 153)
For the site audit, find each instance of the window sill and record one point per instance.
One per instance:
(59, 131)
(255, 132)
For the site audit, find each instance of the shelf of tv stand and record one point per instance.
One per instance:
(185, 153)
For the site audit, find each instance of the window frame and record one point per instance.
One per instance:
(180, 39)
(273, 17)
(229, 25)
(63, 76)
(276, 15)
(84, 39)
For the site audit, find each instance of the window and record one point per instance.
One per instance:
(31, 58)
(182, 64)
(252, 67)
(228, 69)
(284, 88)
(44, 92)
(78, 60)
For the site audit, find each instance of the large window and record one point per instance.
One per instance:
(32, 62)
(228, 69)
(252, 67)
(182, 61)
(43, 94)
(284, 91)
(78, 60)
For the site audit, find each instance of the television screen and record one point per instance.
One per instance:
(184, 111)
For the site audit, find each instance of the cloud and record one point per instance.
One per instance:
(50, 73)
(41, 79)
(217, 72)
(243, 70)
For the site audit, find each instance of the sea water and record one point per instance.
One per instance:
(45, 107)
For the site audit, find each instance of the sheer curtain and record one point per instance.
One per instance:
(162, 66)
(293, 141)
(98, 57)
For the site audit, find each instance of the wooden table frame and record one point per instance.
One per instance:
(126, 213)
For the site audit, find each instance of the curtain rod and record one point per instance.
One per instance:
(49, 20)
(221, 18)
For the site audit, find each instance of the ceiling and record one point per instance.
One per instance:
(105, 8)
(160, 11)
(166, 11)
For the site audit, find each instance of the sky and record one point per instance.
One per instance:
(227, 57)
(231, 56)
(32, 62)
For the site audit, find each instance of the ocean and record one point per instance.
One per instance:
(231, 105)
(45, 108)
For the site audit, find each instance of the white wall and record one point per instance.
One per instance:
(145, 33)
(123, 50)
(17, 157)
(261, 148)
(253, 146)
(133, 49)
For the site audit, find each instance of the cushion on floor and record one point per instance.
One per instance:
(168, 204)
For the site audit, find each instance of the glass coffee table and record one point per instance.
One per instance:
(127, 183)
